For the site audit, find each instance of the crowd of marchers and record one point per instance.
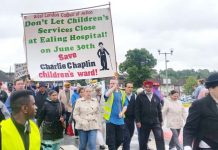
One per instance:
(34, 118)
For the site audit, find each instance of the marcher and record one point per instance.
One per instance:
(81, 94)
(18, 85)
(86, 113)
(75, 95)
(129, 116)
(202, 123)
(41, 97)
(198, 88)
(175, 115)
(4, 113)
(52, 120)
(149, 117)
(65, 96)
(19, 132)
(102, 55)
(3, 94)
(115, 107)
(101, 132)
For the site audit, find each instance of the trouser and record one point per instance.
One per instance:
(104, 62)
(67, 119)
(144, 136)
(128, 133)
(114, 135)
(87, 138)
(174, 142)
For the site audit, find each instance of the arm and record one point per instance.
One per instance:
(192, 124)
(7, 104)
(98, 53)
(5, 111)
(165, 109)
(106, 51)
(138, 106)
(124, 108)
(159, 109)
(41, 116)
(76, 112)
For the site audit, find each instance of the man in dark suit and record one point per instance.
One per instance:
(102, 55)
(202, 123)
(129, 116)
(149, 117)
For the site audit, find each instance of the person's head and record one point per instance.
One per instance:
(53, 95)
(98, 90)
(19, 84)
(139, 91)
(81, 92)
(148, 86)
(156, 85)
(22, 102)
(114, 82)
(42, 87)
(88, 92)
(174, 95)
(128, 88)
(212, 84)
(100, 44)
(200, 81)
(67, 86)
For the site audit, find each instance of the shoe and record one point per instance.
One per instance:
(101, 69)
(106, 69)
(102, 147)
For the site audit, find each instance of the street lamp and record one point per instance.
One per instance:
(166, 61)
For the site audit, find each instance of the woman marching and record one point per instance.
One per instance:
(86, 114)
(52, 120)
(175, 115)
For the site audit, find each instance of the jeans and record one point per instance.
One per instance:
(114, 135)
(87, 138)
(174, 142)
(144, 133)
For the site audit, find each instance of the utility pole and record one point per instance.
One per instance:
(166, 61)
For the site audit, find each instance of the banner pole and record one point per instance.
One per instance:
(113, 36)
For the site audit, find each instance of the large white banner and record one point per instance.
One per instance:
(20, 70)
(69, 45)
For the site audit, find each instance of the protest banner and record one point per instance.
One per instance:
(20, 70)
(69, 45)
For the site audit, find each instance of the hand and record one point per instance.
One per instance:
(138, 124)
(120, 115)
(61, 119)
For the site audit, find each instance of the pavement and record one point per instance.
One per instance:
(71, 143)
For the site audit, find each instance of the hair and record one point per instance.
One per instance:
(81, 88)
(19, 79)
(18, 99)
(211, 85)
(51, 92)
(201, 81)
(100, 43)
(128, 83)
(173, 92)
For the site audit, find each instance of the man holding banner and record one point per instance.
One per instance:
(115, 107)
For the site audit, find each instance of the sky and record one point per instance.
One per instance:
(189, 27)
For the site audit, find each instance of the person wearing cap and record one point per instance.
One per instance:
(65, 96)
(3, 94)
(202, 123)
(41, 97)
(19, 132)
(149, 117)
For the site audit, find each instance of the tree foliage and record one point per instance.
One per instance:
(191, 82)
(138, 65)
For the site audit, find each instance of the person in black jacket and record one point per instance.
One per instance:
(41, 97)
(3, 94)
(52, 116)
(202, 123)
(149, 117)
(129, 116)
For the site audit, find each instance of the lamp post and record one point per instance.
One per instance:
(166, 61)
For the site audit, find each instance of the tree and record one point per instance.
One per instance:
(138, 65)
(191, 82)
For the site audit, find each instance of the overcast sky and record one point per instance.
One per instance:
(190, 27)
